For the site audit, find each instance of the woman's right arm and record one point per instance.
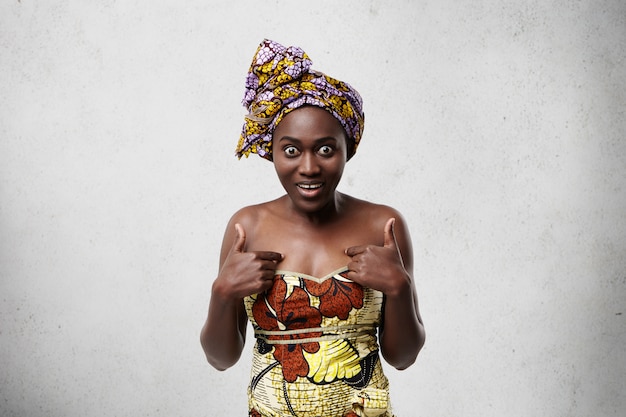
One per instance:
(241, 274)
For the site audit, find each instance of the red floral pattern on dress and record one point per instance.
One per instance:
(288, 312)
(254, 413)
(337, 297)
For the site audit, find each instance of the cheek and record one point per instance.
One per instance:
(281, 167)
(336, 166)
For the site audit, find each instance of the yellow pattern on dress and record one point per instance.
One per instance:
(336, 359)
(336, 384)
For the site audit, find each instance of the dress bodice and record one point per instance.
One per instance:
(316, 349)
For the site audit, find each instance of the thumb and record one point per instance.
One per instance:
(240, 239)
(390, 236)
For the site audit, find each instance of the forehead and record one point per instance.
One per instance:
(309, 122)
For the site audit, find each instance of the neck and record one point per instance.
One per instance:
(325, 215)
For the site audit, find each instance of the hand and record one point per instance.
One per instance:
(379, 268)
(246, 273)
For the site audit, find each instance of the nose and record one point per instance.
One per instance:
(309, 165)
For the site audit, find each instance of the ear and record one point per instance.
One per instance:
(350, 148)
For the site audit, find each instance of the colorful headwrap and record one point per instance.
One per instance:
(280, 80)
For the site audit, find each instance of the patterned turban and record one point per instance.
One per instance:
(280, 80)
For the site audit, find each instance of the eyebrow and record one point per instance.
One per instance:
(316, 141)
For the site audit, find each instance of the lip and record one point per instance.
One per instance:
(309, 189)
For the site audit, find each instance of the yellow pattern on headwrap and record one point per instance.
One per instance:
(280, 80)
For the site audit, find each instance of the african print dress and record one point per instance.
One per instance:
(316, 352)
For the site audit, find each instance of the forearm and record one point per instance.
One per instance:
(402, 335)
(222, 338)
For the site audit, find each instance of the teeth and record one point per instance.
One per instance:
(309, 186)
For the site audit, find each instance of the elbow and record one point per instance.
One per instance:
(402, 363)
(221, 362)
(402, 360)
(219, 357)
(219, 365)
(408, 360)
(404, 366)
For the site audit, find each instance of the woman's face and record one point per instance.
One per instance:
(309, 154)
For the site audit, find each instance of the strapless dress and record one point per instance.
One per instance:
(316, 351)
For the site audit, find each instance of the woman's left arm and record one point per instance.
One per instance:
(389, 268)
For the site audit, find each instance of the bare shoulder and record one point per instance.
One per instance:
(253, 216)
(373, 214)
(248, 218)
(374, 217)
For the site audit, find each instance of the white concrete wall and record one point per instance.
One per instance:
(497, 127)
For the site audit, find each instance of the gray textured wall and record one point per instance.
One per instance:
(497, 128)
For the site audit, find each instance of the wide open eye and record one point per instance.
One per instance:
(291, 151)
(326, 150)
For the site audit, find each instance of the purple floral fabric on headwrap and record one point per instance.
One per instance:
(280, 80)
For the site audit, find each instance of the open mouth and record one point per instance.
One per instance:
(314, 186)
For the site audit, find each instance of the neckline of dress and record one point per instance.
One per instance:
(311, 277)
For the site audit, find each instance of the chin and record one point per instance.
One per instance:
(310, 207)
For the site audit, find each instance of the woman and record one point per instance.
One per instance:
(316, 272)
